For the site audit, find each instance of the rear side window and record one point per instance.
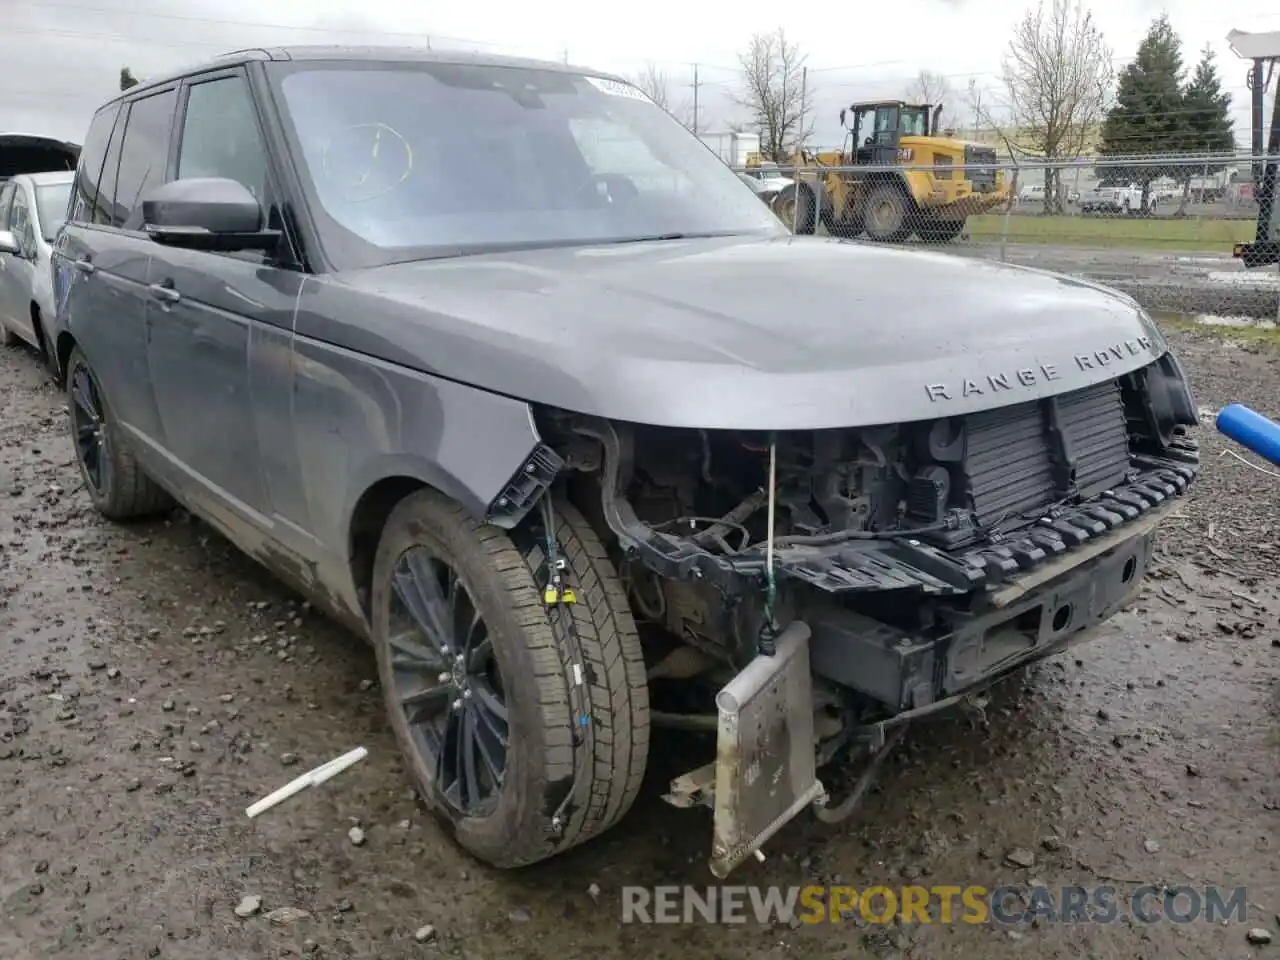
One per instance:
(102, 206)
(90, 167)
(144, 155)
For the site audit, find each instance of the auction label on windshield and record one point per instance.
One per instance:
(616, 88)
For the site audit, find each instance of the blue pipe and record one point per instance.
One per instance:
(1251, 430)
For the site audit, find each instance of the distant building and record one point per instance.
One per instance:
(731, 146)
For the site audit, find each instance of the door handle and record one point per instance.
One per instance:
(84, 265)
(164, 292)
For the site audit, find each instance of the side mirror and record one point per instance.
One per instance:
(8, 242)
(206, 213)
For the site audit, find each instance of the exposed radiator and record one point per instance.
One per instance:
(1012, 462)
(1094, 423)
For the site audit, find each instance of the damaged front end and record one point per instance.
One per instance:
(838, 583)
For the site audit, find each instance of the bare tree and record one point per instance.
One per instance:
(973, 99)
(931, 88)
(1057, 75)
(775, 91)
(656, 84)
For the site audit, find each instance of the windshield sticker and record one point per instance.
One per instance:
(617, 89)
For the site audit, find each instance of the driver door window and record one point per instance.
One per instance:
(886, 124)
(221, 136)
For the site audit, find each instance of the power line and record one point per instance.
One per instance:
(41, 6)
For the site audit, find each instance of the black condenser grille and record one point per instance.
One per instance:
(1093, 422)
(1009, 462)
(1017, 458)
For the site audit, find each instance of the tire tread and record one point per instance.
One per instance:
(614, 671)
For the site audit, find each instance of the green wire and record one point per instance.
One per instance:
(771, 593)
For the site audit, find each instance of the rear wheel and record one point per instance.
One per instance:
(116, 484)
(887, 214)
(795, 207)
(511, 714)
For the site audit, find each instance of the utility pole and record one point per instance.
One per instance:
(566, 56)
(695, 99)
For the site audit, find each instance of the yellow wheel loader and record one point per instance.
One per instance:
(929, 185)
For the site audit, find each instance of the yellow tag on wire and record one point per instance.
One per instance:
(551, 596)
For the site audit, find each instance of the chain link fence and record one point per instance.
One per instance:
(1160, 229)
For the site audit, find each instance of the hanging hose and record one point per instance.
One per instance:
(846, 807)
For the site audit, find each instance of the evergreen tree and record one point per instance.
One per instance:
(1148, 117)
(1207, 110)
(127, 79)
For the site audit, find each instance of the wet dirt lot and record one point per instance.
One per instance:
(153, 683)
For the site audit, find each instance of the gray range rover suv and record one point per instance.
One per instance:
(507, 371)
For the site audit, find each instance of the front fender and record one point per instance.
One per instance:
(360, 420)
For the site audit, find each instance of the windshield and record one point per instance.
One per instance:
(412, 160)
(51, 207)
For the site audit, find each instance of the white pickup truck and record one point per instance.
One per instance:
(1116, 199)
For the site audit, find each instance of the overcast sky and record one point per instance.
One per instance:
(63, 57)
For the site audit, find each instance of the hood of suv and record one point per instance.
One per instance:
(739, 333)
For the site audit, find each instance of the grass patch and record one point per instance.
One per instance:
(1142, 233)
(1243, 333)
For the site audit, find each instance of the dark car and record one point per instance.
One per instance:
(500, 365)
(35, 153)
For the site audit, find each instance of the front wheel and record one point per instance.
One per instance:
(524, 726)
(887, 214)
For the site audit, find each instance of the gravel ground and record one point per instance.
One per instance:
(153, 683)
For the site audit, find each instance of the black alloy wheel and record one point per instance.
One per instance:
(447, 681)
(89, 426)
(114, 479)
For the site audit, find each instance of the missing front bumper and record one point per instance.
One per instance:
(1027, 619)
(765, 771)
